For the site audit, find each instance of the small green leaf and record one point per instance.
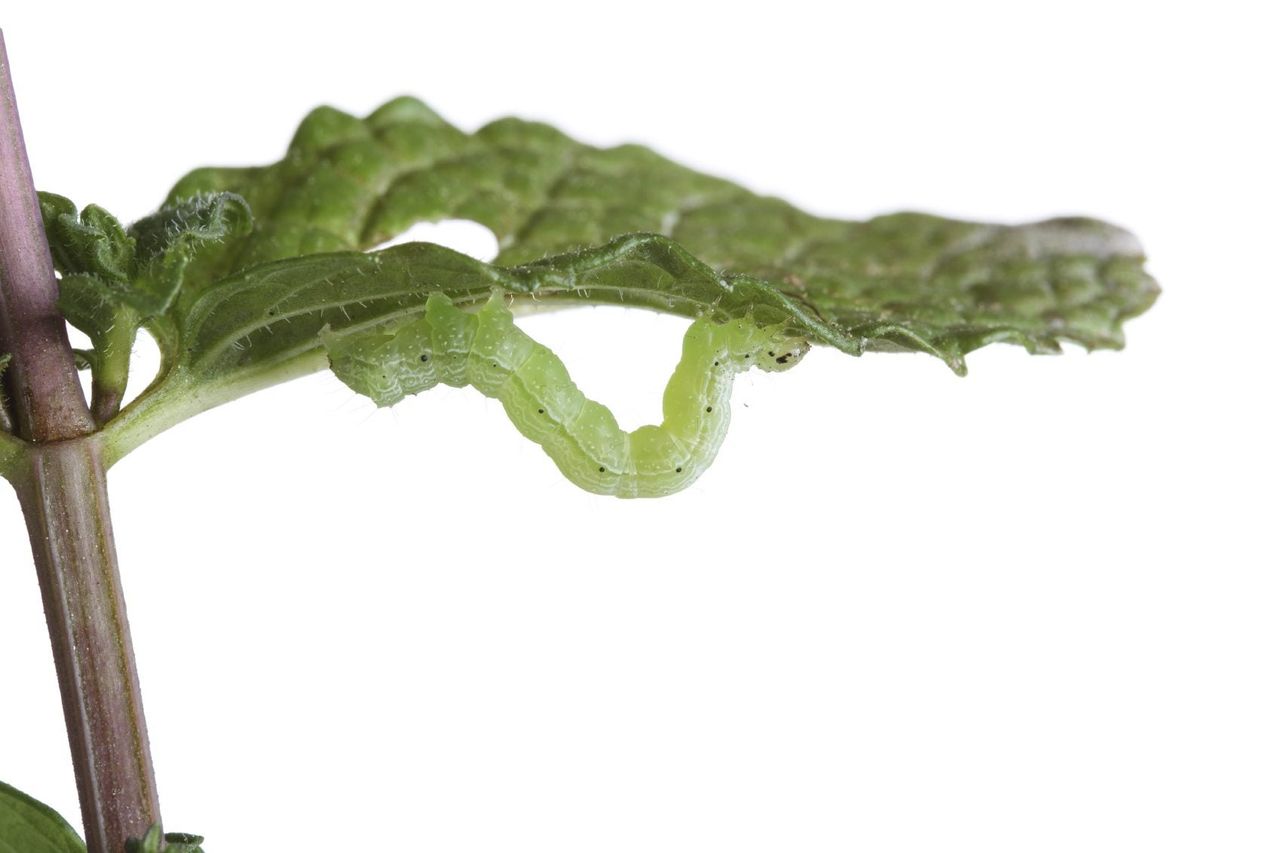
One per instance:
(97, 260)
(170, 842)
(29, 826)
(142, 268)
(149, 843)
(115, 281)
(92, 243)
(183, 842)
(11, 448)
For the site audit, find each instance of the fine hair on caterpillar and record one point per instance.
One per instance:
(487, 350)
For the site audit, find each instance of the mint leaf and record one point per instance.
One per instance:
(172, 842)
(90, 242)
(906, 280)
(116, 280)
(29, 826)
(142, 267)
(183, 842)
(579, 224)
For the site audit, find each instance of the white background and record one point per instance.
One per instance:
(1030, 610)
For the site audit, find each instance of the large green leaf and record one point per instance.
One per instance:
(901, 281)
(582, 224)
(29, 826)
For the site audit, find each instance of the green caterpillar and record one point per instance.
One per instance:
(486, 349)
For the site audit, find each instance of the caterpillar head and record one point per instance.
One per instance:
(769, 348)
(784, 352)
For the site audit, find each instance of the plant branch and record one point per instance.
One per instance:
(45, 390)
(61, 484)
(64, 498)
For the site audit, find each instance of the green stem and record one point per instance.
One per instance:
(61, 482)
(178, 396)
(12, 455)
(111, 367)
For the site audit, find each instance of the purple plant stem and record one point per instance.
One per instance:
(65, 502)
(46, 392)
(63, 493)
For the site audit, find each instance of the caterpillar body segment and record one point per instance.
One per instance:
(487, 350)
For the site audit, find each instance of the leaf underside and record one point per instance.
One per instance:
(626, 225)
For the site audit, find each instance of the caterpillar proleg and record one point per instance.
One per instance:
(487, 350)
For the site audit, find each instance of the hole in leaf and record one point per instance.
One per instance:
(461, 235)
(629, 373)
